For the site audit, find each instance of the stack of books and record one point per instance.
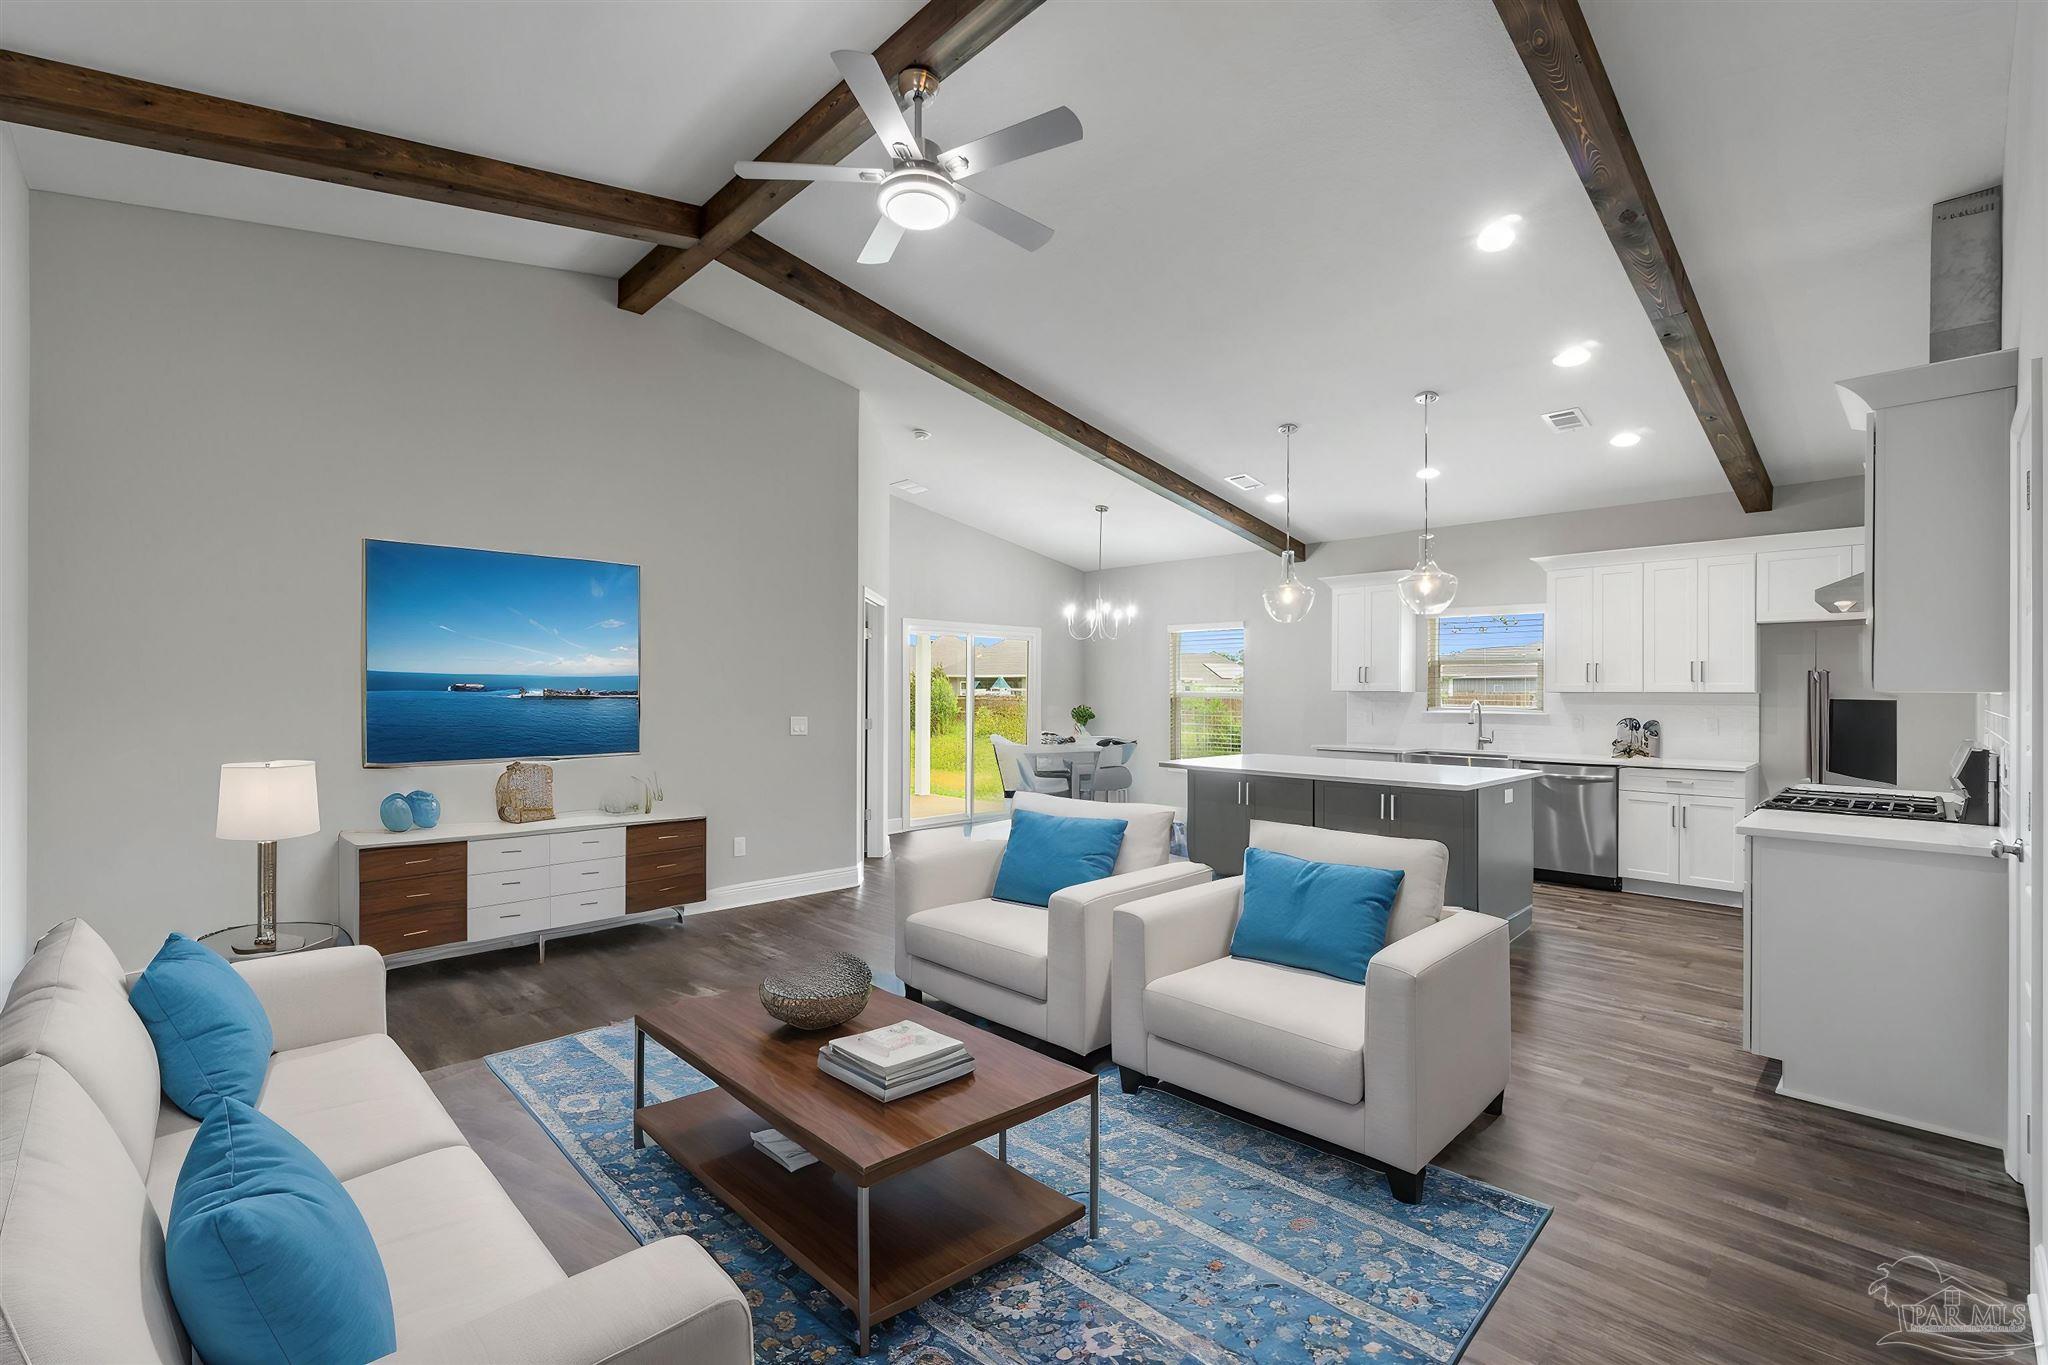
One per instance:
(900, 1059)
(781, 1150)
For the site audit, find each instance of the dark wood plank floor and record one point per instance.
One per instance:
(1699, 1215)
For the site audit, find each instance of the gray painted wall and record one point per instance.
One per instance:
(14, 447)
(940, 570)
(223, 411)
(1289, 706)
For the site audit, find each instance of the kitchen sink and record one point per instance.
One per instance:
(1464, 760)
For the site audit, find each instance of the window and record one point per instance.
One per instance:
(1490, 656)
(1206, 713)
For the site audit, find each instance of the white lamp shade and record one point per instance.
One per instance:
(268, 801)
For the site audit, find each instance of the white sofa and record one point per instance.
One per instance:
(1041, 971)
(1393, 1069)
(90, 1152)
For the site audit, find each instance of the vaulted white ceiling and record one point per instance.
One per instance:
(1270, 218)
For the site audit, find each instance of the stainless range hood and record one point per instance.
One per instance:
(1843, 596)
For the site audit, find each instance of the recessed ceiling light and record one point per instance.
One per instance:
(1427, 472)
(1625, 439)
(910, 488)
(1276, 497)
(1499, 234)
(1573, 356)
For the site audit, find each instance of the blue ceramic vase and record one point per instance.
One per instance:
(396, 813)
(426, 808)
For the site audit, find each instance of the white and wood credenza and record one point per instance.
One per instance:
(485, 884)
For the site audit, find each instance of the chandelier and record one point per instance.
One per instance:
(1100, 621)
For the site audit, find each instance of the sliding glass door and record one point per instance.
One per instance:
(965, 686)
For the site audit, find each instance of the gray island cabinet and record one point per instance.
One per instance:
(1482, 815)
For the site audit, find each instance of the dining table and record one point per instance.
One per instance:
(1079, 758)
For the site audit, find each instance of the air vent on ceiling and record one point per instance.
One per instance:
(910, 488)
(1244, 483)
(1566, 419)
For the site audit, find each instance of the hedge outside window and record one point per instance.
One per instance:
(1489, 656)
(1206, 711)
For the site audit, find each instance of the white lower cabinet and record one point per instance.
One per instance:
(1678, 827)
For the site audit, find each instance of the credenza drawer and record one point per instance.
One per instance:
(665, 867)
(662, 895)
(502, 921)
(502, 888)
(442, 891)
(580, 846)
(596, 875)
(508, 855)
(581, 907)
(401, 931)
(409, 860)
(669, 836)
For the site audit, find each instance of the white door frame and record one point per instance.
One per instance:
(921, 626)
(871, 726)
(2026, 751)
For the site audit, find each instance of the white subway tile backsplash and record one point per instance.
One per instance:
(1705, 727)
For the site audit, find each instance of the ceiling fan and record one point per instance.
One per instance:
(921, 189)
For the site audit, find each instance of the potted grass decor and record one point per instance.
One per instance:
(1082, 714)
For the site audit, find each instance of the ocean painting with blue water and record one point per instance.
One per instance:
(482, 654)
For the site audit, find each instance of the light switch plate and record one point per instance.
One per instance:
(739, 845)
(799, 725)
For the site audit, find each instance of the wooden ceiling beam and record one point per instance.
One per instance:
(767, 264)
(97, 104)
(1556, 46)
(941, 37)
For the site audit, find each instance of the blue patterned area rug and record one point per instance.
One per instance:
(1220, 1241)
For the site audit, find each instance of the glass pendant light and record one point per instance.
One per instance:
(1426, 588)
(1290, 599)
(1101, 620)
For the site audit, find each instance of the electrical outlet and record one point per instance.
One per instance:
(1510, 796)
(799, 725)
(739, 845)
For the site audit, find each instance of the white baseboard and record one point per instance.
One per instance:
(736, 894)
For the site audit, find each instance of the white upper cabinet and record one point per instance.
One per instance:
(1372, 635)
(1679, 618)
(1786, 580)
(1593, 629)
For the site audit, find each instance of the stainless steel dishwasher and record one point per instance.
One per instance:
(1577, 809)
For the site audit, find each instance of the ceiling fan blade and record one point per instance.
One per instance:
(1003, 220)
(1053, 128)
(881, 243)
(800, 170)
(871, 90)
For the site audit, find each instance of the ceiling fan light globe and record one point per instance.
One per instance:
(918, 200)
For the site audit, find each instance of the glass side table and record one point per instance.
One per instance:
(238, 944)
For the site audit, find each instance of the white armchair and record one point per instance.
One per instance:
(1042, 971)
(1393, 1069)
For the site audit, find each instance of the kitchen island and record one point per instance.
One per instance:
(1482, 815)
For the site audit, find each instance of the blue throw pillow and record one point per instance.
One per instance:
(211, 1034)
(1049, 853)
(1324, 917)
(269, 1259)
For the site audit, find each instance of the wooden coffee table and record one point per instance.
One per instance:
(900, 1204)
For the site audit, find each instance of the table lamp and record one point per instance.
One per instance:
(266, 802)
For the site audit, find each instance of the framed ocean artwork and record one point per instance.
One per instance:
(473, 656)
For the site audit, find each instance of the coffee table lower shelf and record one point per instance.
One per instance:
(929, 1227)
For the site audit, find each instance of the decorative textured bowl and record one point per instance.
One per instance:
(818, 995)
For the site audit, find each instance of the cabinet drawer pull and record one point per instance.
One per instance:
(663, 867)
(415, 862)
(417, 895)
(587, 904)
(417, 932)
(513, 915)
(596, 873)
(593, 841)
(516, 881)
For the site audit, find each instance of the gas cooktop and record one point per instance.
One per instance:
(1863, 801)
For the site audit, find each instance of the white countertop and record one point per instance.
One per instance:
(450, 831)
(1705, 765)
(1414, 776)
(1870, 831)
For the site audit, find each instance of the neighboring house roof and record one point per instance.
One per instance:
(1211, 673)
(1005, 659)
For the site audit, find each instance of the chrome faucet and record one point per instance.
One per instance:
(1479, 719)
